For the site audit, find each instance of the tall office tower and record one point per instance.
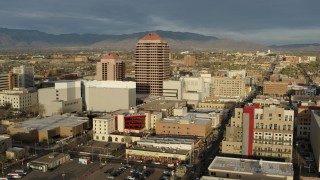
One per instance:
(260, 132)
(25, 76)
(4, 81)
(110, 68)
(152, 64)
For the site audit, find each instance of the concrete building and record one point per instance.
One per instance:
(275, 88)
(260, 132)
(110, 68)
(15, 153)
(166, 107)
(25, 76)
(49, 161)
(235, 73)
(249, 169)
(81, 59)
(217, 105)
(64, 97)
(152, 64)
(109, 95)
(4, 81)
(192, 89)
(47, 129)
(6, 143)
(228, 87)
(304, 113)
(19, 98)
(184, 126)
(189, 60)
(314, 136)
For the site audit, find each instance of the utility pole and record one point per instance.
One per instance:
(2, 169)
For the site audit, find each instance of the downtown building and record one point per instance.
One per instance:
(260, 132)
(25, 76)
(152, 64)
(111, 67)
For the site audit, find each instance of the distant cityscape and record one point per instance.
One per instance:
(157, 113)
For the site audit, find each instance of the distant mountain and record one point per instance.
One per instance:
(32, 39)
(297, 47)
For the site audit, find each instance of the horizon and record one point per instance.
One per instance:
(267, 23)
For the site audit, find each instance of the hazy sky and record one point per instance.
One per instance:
(262, 21)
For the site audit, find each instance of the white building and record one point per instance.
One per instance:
(192, 89)
(25, 76)
(64, 97)
(234, 73)
(102, 127)
(109, 95)
(19, 98)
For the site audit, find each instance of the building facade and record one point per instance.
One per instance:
(275, 88)
(152, 64)
(25, 76)
(19, 98)
(228, 87)
(64, 97)
(260, 132)
(110, 68)
(236, 168)
(314, 136)
(189, 60)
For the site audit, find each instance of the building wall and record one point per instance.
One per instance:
(151, 154)
(314, 136)
(5, 142)
(228, 87)
(266, 132)
(172, 89)
(182, 129)
(110, 69)
(189, 60)
(25, 76)
(19, 98)
(275, 88)
(246, 175)
(110, 99)
(225, 105)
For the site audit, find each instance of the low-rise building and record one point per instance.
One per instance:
(46, 129)
(249, 169)
(49, 161)
(15, 153)
(184, 126)
(228, 87)
(6, 143)
(275, 88)
(164, 106)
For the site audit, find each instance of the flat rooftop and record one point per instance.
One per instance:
(161, 150)
(50, 157)
(166, 140)
(188, 119)
(47, 123)
(251, 166)
(159, 104)
(4, 137)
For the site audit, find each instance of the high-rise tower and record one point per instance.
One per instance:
(152, 64)
(110, 68)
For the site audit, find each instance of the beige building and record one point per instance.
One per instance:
(217, 105)
(275, 88)
(249, 169)
(19, 98)
(228, 87)
(46, 129)
(16, 153)
(185, 126)
(189, 60)
(106, 96)
(81, 59)
(49, 161)
(152, 64)
(164, 106)
(110, 68)
(6, 143)
(64, 97)
(103, 126)
(260, 132)
(304, 113)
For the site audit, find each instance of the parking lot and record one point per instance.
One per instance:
(73, 170)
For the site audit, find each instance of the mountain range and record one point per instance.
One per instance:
(20, 39)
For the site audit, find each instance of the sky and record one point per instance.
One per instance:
(262, 21)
